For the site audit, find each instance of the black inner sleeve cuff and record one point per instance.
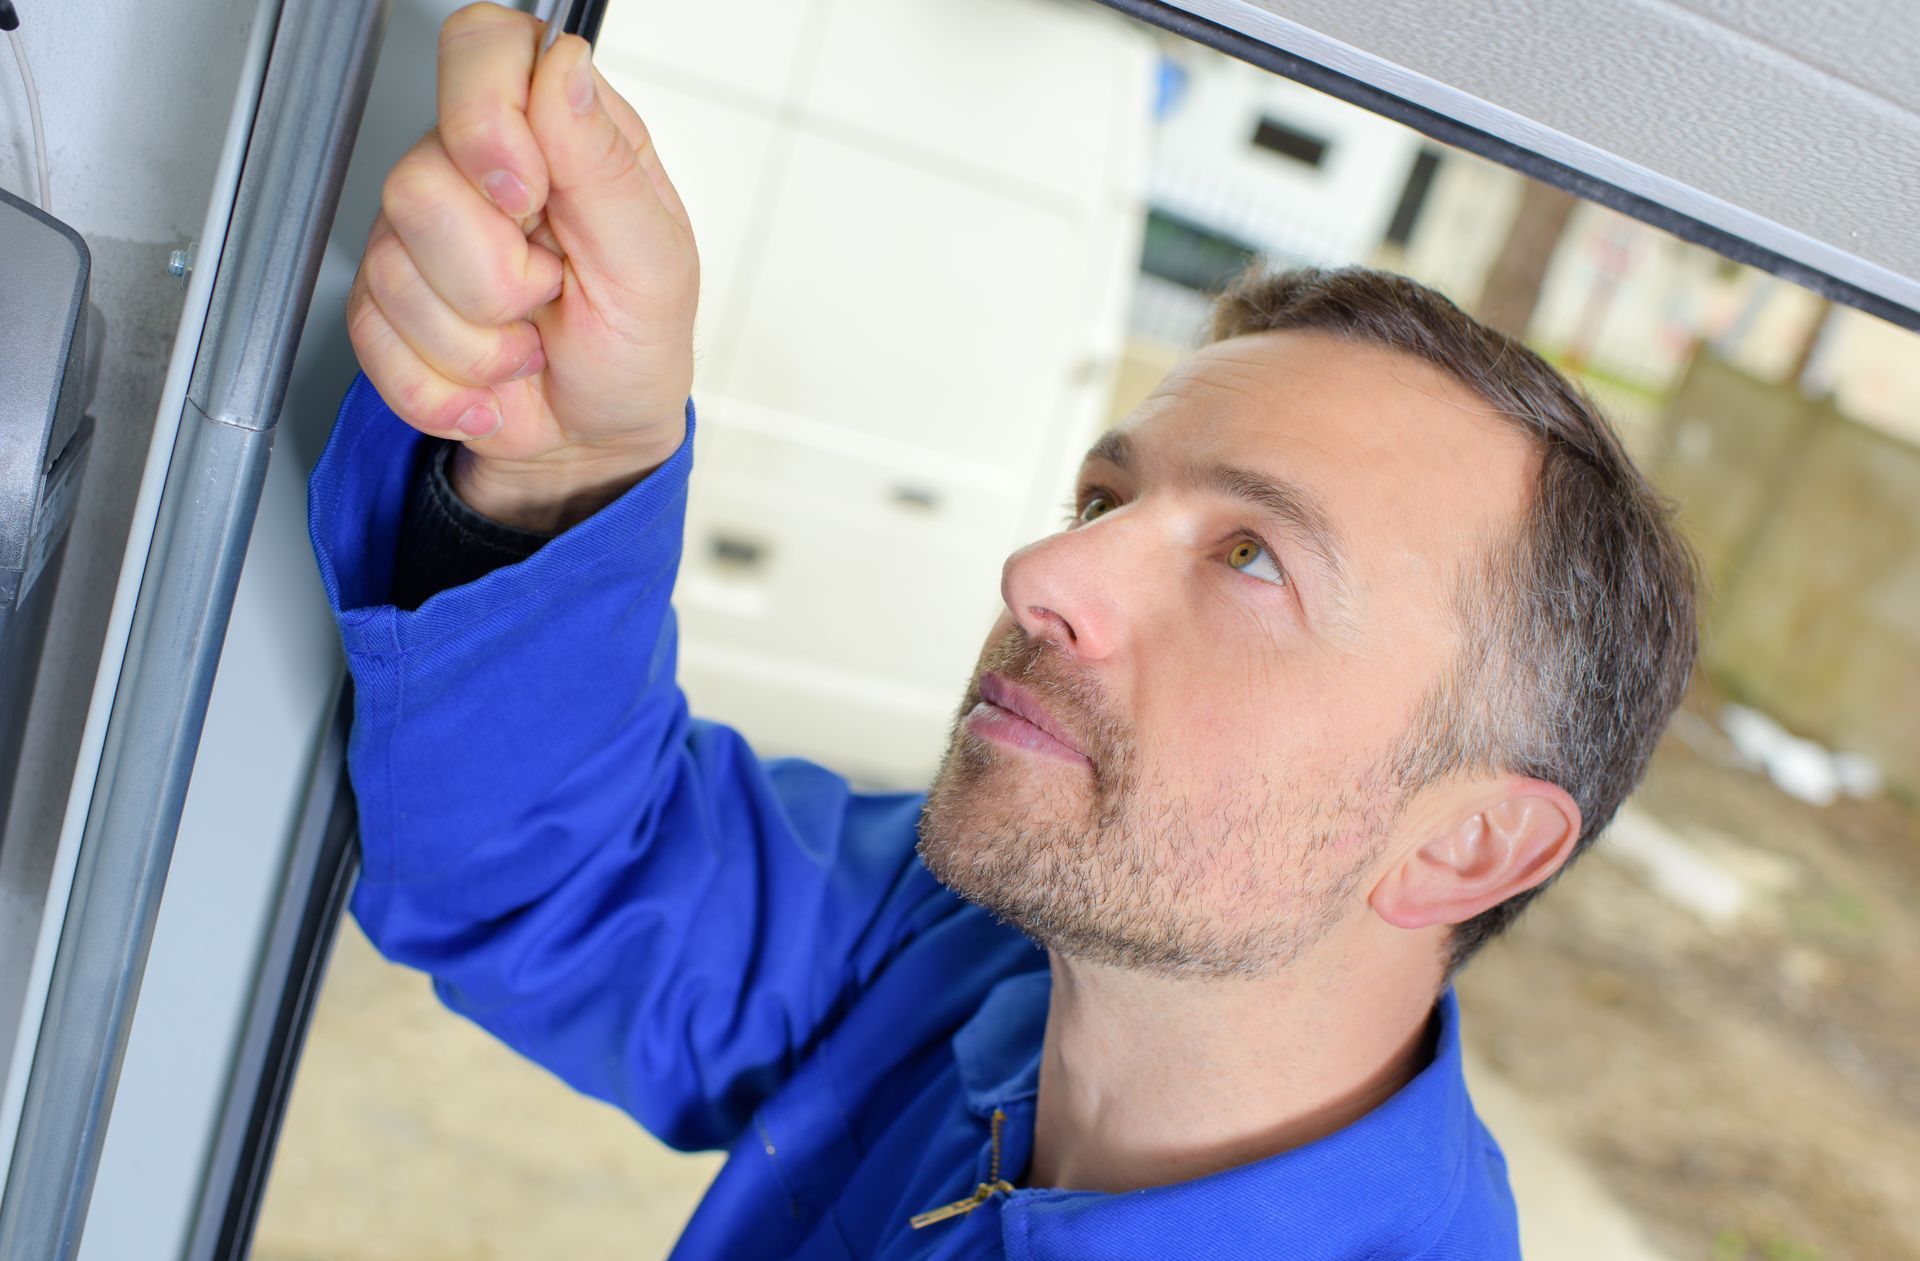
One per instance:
(443, 542)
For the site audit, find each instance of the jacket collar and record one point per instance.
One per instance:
(1393, 1173)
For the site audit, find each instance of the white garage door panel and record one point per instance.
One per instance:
(797, 455)
(904, 608)
(685, 39)
(1869, 45)
(943, 77)
(881, 734)
(1708, 107)
(892, 626)
(832, 535)
(990, 285)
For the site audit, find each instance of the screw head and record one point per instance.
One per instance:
(177, 263)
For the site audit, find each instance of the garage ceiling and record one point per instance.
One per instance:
(1785, 133)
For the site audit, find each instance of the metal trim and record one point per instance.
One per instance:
(309, 112)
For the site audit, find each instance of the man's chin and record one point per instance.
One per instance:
(974, 800)
(973, 777)
(992, 814)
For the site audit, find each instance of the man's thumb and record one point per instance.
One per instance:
(602, 206)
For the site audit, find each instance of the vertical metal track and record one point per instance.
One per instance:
(309, 113)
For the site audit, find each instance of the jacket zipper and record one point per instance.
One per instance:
(981, 1194)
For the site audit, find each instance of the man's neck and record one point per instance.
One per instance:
(1146, 1081)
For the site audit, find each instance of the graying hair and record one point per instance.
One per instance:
(1578, 629)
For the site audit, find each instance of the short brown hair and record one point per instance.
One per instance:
(1579, 629)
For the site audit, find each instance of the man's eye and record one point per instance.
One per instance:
(1093, 508)
(1253, 559)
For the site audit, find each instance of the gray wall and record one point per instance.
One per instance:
(1808, 525)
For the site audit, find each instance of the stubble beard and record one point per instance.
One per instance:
(1115, 868)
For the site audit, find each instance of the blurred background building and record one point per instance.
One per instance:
(945, 242)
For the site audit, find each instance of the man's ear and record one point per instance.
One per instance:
(1500, 843)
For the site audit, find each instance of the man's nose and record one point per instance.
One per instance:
(1067, 588)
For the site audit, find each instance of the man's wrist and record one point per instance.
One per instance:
(551, 494)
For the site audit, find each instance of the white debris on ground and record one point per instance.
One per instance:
(1713, 877)
(1675, 869)
(1800, 767)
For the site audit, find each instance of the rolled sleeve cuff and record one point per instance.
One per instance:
(386, 557)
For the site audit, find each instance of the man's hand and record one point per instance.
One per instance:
(529, 285)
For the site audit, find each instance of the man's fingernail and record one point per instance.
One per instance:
(535, 361)
(508, 192)
(482, 420)
(580, 89)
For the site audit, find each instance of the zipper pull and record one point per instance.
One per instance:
(981, 1194)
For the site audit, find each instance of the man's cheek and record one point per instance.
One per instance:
(1214, 726)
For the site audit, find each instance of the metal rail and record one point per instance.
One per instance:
(303, 130)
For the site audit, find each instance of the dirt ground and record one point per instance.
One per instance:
(1748, 1089)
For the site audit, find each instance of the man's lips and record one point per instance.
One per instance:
(1009, 714)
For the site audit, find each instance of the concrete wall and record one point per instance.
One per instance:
(1808, 525)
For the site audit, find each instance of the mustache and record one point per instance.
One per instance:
(1074, 699)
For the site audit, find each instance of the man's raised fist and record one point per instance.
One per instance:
(529, 285)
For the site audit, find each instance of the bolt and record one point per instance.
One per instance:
(180, 262)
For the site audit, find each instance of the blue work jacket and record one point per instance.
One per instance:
(748, 954)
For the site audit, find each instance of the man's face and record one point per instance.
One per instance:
(1228, 645)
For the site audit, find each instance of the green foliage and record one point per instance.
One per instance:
(1730, 1244)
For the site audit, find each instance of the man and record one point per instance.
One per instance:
(1363, 627)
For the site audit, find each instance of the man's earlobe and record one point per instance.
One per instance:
(1506, 846)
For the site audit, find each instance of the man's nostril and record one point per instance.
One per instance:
(1047, 616)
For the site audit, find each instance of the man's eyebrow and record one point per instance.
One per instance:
(1282, 499)
(1288, 502)
(1277, 498)
(1114, 447)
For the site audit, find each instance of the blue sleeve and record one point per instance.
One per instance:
(625, 895)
